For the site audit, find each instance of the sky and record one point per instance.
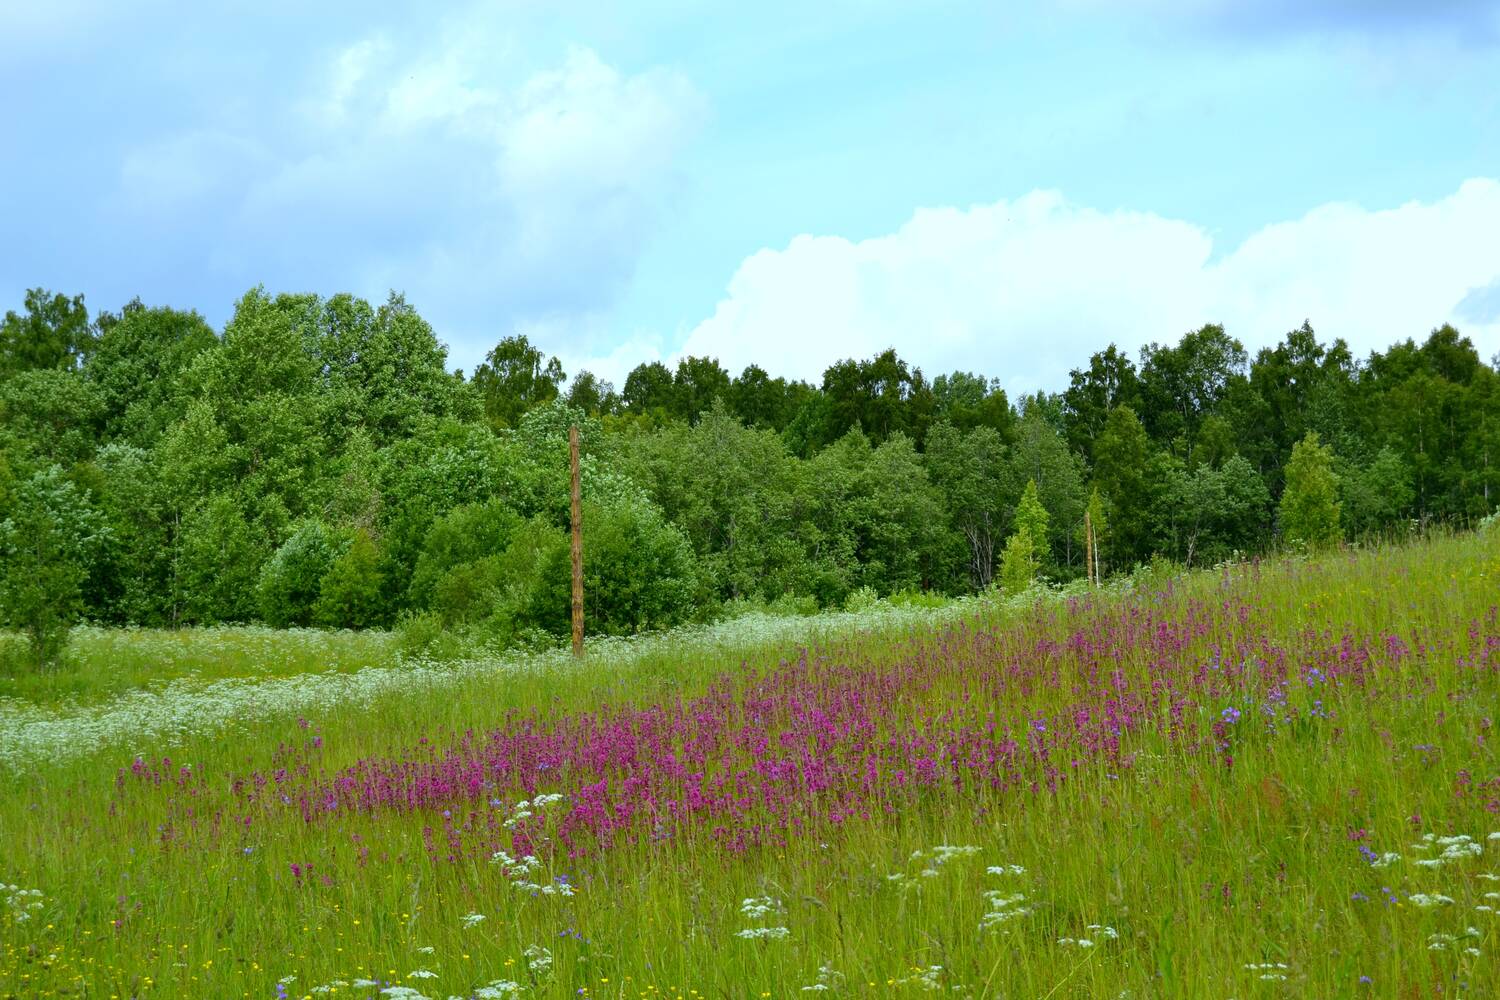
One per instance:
(997, 188)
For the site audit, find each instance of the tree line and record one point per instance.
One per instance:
(317, 463)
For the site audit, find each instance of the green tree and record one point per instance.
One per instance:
(465, 535)
(1309, 505)
(1121, 454)
(698, 382)
(1031, 521)
(50, 416)
(593, 395)
(1180, 386)
(217, 564)
(292, 580)
(1017, 563)
(1377, 495)
(349, 595)
(969, 473)
(514, 377)
(1093, 393)
(648, 387)
(54, 333)
(137, 367)
(48, 545)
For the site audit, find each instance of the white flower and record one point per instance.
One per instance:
(1385, 860)
(763, 933)
(538, 960)
(759, 907)
(1425, 901)
(1005, 870)
(421, 974)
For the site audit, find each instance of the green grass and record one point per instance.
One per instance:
(101, 663)
(1201, 869)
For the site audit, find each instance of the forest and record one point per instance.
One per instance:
(317, 463)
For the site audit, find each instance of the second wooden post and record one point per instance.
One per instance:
(577, 544)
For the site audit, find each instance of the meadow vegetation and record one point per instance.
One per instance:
(1266, 779)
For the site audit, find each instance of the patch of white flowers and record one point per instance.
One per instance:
(1453, 849)
(520, 871)
(929, 978)
(22, 904)
(497, 989)
(1004, 906)
(538, 961)
(828, 979)
(1385, 860)
(1425, 901)
(470, 920)
(1097, 933)
(1269, 971)
(188, 707)
(931, 862)
(760, 908)
(402, 993)
(527, 808)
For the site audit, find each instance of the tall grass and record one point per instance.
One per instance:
(1266, 780)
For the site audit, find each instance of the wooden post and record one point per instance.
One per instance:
(577, 544)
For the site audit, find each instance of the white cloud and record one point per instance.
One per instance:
(494, 193)
(1027, 289)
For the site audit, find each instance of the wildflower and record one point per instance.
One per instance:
(1230, 715)
(763, 933)
(1005, 870)
(759, 907)
(1424, 901)
(472, 920)
(499, 989)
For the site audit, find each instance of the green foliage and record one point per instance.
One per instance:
(1309, 505)
(137, 368)
(206, 455)
(48, 544)
(349, 595)
(54, 333)
(1208, 514)
(1375, 495)
(291, 582)
(1031, 516)
(49, 416)
(1018, 563)
(515, 377)
(465, 535)
(217, 568)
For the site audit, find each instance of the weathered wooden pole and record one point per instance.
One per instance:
(577, 544)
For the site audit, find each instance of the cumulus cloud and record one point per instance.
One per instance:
(495, 199)
(1026, 289)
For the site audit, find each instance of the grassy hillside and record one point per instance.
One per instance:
(1269, 780)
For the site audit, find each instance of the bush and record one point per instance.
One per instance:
(292, 580)
(47, 546)
(350, 593)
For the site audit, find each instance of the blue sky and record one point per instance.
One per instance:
(996, 190)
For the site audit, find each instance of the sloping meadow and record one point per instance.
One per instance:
(1265, 780)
